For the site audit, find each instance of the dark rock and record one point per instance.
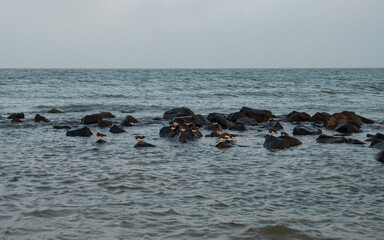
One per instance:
(100, 141)
(39, 118)
(143, 144)
(104, 123)
(54, 110)
(220, 119)
(281, 142)
(342, 117)
(330, 139)
(378, 145)
(214, 127)
(16, 120)
(233, 117)
(246, 121)
(319, 117)
(61, 127)
(16, 116)
(186, 136)
(82, 132)
(128, 120)
(377, 137)
(238, 128)
(258, 115)
(89, 119)
(225, 144)
(178, 112)
(107, 115)
(366, 120)
(347, 128)
(199, 120)
(213, 134)
(273, 125)
(166, 132)
(380, 157)
(354, 141)
(116, 129)
(298, 116)
(306, 130)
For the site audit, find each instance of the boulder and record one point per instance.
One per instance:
(39, 118)
(54, 110)
(104, 123)
(378, 145)
(258, 115)
(90, 119)
(82, 132)
(166, 132)
(347, 128)
(377, 137)
(107, 115)
(186, 136)
(281, 142)
(233, 117)
(240, 128)
(16, 120)
(16, 116)
(273, 125)
(380, 157)
(246, 121)
(330, 139)
(225, 144)
(143, 144)
(298, 116)
(116, 129)
(220, 119)
(178, 112)
(366, 120)
(319, 117)
(342, 117)
(199, 120)
(128, 120)
(354, 141)
(61, 127)
(306, 130)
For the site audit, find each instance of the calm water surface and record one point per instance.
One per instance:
(57, 187)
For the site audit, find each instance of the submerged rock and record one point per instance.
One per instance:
(281, 142)
(258, 115)
(354, 141)
(90, 119)
(61, 127)
(178, 112)
(306, 130)
(380, 157)
(116, 129)
(295, 116)
(143, 144)
(247, 121)
(82, 132)
(330, 139)
(220, 119)
(225, 144)
(39, 118)
(16, 116)
(54, 110)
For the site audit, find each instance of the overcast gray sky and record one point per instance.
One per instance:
(191, 34)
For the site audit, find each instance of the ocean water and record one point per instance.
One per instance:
(58, 187)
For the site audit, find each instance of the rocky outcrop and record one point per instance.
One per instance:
(298, 116)
(343, 117)
(258, 115)
(178, 112)
(39, 118)
(347, 128)
(116, 129)
(330, 139)
(220, 119)
(319, 117)
(82, 132)
(16, 116)
(90, 119)
(128, 120)
(281, 142)
(306, 130)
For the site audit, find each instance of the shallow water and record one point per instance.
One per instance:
(58, 187)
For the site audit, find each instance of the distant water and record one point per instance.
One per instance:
(58, 187)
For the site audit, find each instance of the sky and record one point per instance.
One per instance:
(191, 33)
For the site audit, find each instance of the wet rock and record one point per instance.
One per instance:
(330, 139)
(166, 132)
(366, 120)
(107, 115)
(239, 128)
(319, 117)
(246, 121)
(220, 119)
(39, 118)
(378, 145)
(377, 137)
(128, 120)
(281, 142)
(178, 112)
(354, 141)
(225, 144)
(233, 117)
(306, 130)
(295, 116)
(100, 141)
(213, 134)
(104, 123)
(16, 116)
(143, 144)
(258, 115)
(90, 119)
(16, 120)
(342, 117)
(82, 132)
(54, 110)
(273, 125)
(199, 120)
(186, 136)
(116, 129)
(61, 127)
(347, 128)
(214, 127)
(380, 157)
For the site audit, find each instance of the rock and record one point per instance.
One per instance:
(143, 144)
(54, 110)
(214, 127)
(319, 117)
(240, 128)
(273, 125)
(378, 145)
(258, 115)
(306, 130)
(213, 134)
(380, 157)
(366, 120)
(233, 117)
(377, 137)
(16, 120)
(166, 132)
(225, 144)
(116, 129)
(61, 127)
(199, 120)
(281, 142)
(16, 116)
(246, 121)
(178, 112)
(128, 120)
(295, 116)
(89, 119)
(39, 118)
(343, 117)
(347, 128)
(82, 132)
(220, 119)
(100, 141)
(107, 115)
(186, 136)
(104, 123)
(354, 141)
(330, 139)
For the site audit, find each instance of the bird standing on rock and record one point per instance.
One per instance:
(100, 137)
(141, 143)
(139, 138)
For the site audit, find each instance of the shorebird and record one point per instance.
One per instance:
(100, 135)
(182, 128)
(187, 122)
(173, 127)
(194, 130)
(175, 122)
(139, 138)
(224, 136)
(272, 132)
(232, 136)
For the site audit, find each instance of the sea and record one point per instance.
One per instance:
(57, 187)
